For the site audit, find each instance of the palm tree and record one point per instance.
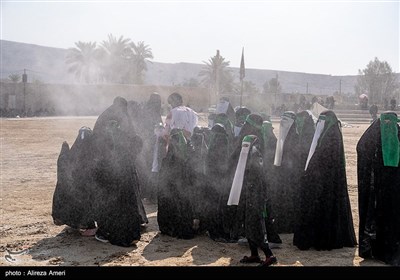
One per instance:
(83, 61)
(15, 78)
(216, 75)
(115, 56)
(141, 53)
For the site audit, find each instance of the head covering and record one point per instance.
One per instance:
(326, 120)
(154, 102)
(120, 101)
(237, 183)
(254, 120)
(241, 114)
(287, 120)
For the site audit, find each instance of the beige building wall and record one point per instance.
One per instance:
(90, 99)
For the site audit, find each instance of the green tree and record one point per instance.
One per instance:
(216, 75)
(377, 80)
(141, 53)
(275, 85)
(249, 88)
(15, 78)
(115, 56)
(83, 61)
(265, 87)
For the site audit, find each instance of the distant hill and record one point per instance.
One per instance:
(47, 65)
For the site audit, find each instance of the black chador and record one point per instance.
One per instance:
(73, 196)
(254, 126)
(269, 142)
(249, 187)
(284, 187)
(176, 205)
(219, 217)
(116, 119)
(119, 211)
(148, 120)
(325, 221)
(378, 172)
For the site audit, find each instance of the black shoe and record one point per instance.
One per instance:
(269, 261)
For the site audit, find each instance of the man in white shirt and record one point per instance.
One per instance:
(180, 116)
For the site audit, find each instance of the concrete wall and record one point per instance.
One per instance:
(89, 99)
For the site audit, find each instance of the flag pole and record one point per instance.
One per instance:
(241, 92)
(242, 74)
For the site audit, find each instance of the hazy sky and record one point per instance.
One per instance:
(327, 37)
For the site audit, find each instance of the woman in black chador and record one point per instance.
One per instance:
(176, 205)
(73, 196)
(325, 221)
(249, 187)
(378, 172)
(119, 211)
(219, 216)
(254, 126)
(284, 187)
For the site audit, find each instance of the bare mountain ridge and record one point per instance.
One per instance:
(47, 64)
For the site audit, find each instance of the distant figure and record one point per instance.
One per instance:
(373, 110)
(330, 102)
(303, 102)
(363, 99)
(393, 104)
(385, 104)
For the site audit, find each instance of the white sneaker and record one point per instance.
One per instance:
(101, 238)
(242, 241)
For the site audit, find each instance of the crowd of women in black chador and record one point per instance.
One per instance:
(295, 183)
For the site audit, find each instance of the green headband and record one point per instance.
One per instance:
(249, 138)
(252, 123)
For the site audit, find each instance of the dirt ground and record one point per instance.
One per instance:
(29, 152)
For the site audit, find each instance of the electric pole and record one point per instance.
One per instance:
(24, 81)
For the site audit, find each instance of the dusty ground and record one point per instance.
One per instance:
(29, 151)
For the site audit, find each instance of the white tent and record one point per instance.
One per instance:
(317, 109)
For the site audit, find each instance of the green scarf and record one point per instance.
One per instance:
(266, 126)
(182, 143)
(390, 140)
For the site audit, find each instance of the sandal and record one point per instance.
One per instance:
(251, 259)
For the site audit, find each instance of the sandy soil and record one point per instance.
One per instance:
(29, 152)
